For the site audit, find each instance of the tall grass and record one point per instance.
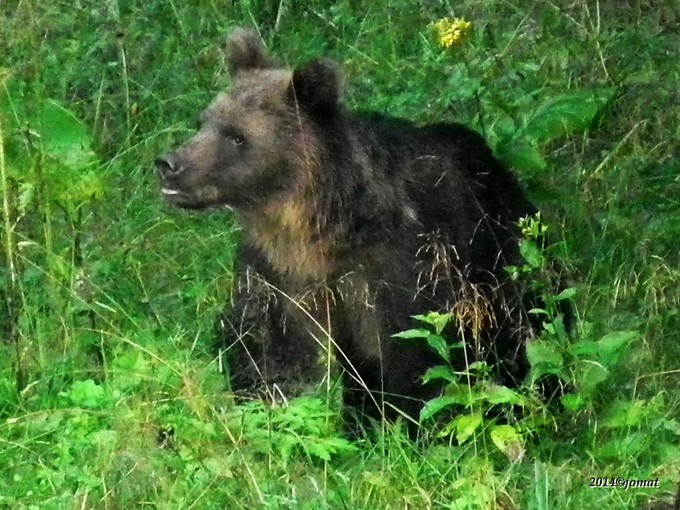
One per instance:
(110, 391)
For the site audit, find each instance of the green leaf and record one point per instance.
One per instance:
(583, 349)
(502, 127)
(531, 253)
(607, 350)
(129, 369)
(573, 402)
(541, 490)
(568, 293)
(612, 345)
(521, 154)
(496, 394)
(627, 446)
(435, 319)
(589, 376)
(558, 328)
(466, 425)
(565, 114)
(671, 425)
(509, 441)
(479, 368)
(63, 136)
(435, 405)
(67, 168)
(540, 352)
(439, 321)
(27, 193)
(440, 373)
(440, 345)
(87, 394)
(625, 414)
(413, 333)
(286, 444)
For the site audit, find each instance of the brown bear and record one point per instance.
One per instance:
(353, 223)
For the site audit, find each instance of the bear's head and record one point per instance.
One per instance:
(259, 140)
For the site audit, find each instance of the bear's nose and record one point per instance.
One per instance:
(167, 166)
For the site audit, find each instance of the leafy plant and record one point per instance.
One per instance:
(49, 174)
(559, 115)
(469, 390)
(50, 156)
(302, 426)
(580, 362)
(538, 274)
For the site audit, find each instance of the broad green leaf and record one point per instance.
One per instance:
(583, 349)
(466, 425)
(531, 253)
(625, 413)
(435, 405)
(496, 394)
(63, 136)
(67, 166)
(413, 333)
(540, 352)
(555, 328)
(611, 346)
(567, 293)
(87, 394)
(573, 402)
(130, 369)
(589, 375)
(566, 113)
(521, 154)
(509, 441)
(440, 373)
(440, 345)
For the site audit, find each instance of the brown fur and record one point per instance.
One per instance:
(353, 225)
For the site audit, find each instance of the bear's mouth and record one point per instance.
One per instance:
(184, 200)
(171, 192)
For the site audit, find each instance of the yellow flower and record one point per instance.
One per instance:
(451, 31)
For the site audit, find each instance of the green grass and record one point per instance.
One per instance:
(110, 393)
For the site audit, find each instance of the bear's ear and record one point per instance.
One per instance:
(245, 51)
(317, 87)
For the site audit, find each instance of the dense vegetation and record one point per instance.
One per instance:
(111, 394)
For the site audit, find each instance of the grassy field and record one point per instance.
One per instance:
(110, 392)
